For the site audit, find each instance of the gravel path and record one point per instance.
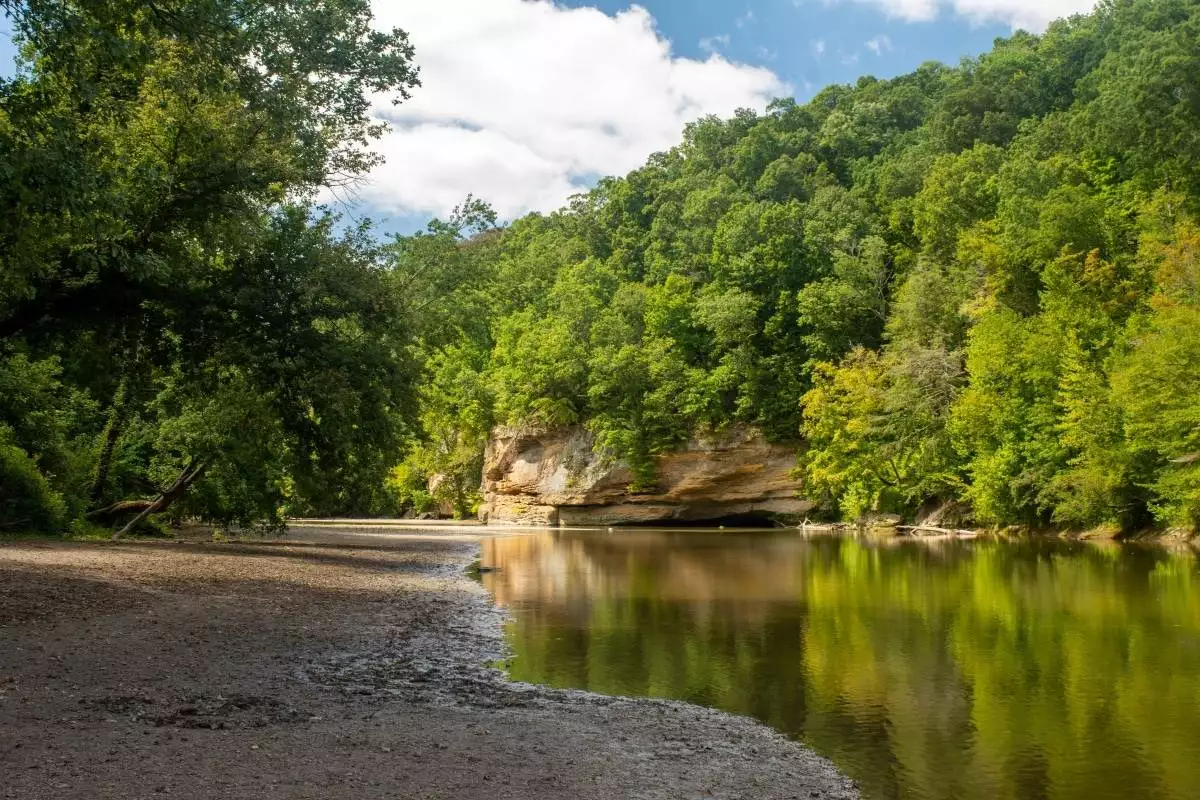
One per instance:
(336, 663)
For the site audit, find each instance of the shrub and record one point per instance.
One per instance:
(26, 500)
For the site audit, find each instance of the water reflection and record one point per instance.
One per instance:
(949, 669)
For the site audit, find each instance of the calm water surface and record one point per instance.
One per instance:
(945, 669)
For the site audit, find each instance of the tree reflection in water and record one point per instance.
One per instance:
(944, 669)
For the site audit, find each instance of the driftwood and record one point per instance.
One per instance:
(824, 526)
(919, 530)
(144, 508)
(908, 530)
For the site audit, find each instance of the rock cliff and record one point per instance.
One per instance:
(555, 478)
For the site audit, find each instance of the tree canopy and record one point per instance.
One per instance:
(974, 284)
(172, 309)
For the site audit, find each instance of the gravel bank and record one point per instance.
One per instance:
(336, 663)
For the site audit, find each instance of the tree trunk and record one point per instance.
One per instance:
(191, 473)
(117, 509)
(116, 423)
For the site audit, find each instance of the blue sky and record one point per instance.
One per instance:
(813, 44)
(525, 103)
(7, 51)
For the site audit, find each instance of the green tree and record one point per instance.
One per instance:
(160, 260)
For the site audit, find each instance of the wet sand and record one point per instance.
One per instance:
(336, 662)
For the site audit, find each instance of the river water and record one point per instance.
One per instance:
(924, 669)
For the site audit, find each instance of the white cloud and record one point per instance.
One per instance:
(818, 48)
(1033, 15)
(911, 10)
(879, 45)
(711, 44)
(520, 99)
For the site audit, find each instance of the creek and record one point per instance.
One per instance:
(926, 669)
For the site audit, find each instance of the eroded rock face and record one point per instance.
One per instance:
(555, 478)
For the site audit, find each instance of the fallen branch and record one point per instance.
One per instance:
(191, 473)
(919, 529)
(117, 509)
(823, 526)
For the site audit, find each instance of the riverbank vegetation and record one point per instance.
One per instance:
(180, 329)
(976, 285)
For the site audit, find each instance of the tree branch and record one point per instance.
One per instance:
(191, 473)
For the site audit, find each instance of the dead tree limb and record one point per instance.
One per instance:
(927, 529)
(191, 473)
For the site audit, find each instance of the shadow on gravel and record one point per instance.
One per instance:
(307, 553)
(30, 594)
(367, 558)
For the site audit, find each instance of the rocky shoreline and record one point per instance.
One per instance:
(338, 662)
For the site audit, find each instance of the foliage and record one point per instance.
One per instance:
(27, 501)
(875, 425)
(168, 297)
(1156, 385)
(974, 283)
(955, 285)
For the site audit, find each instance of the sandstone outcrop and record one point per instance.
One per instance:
(556, 478)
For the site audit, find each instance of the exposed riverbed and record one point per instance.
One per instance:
(336, 663)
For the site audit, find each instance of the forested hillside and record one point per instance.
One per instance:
(977, 283)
